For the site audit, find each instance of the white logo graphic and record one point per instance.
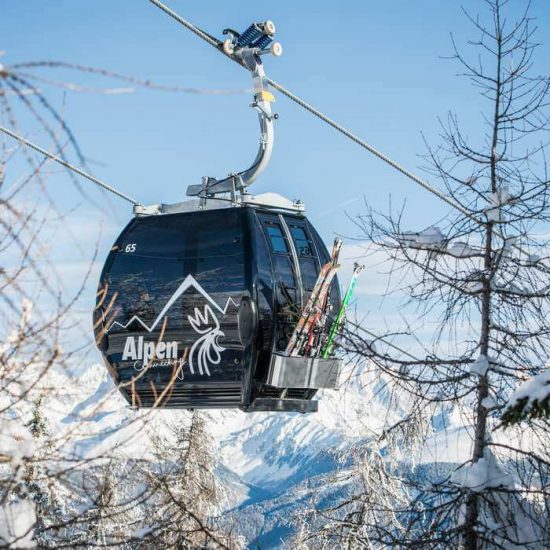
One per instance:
(148, 350)
(207, 345)
(205, 350)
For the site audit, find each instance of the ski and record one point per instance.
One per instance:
(312, 313)
(338, 322)
(324, 279)
(314, 324)
(299, 328)
(317, 335)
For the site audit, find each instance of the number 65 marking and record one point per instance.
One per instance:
(130, 248)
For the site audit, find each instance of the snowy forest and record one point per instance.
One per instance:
(438, 436)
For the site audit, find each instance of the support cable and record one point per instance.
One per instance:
(373, 150)
(212, 41)
(69, 166)
(338, 127)
(200, 33)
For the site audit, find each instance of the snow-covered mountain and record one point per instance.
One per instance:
(262, 456)
(261, 449)
(269, 463)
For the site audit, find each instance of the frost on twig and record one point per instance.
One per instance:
(429, 239)
(480, 366)
(17, 520)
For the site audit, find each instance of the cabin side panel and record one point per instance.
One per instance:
(172, 288)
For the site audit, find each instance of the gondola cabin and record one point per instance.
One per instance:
(206, 303)
(198, 300)
(195, 310)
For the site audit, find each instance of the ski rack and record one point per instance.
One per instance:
(297, 367)
(246, 48)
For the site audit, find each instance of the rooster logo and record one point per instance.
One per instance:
(206, 349)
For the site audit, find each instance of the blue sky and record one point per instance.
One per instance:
(376, 67)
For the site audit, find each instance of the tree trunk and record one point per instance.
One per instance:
(470, 541)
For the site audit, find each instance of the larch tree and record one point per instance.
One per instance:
(186, 492)
(483, 275)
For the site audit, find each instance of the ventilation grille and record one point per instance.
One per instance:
(188, 397)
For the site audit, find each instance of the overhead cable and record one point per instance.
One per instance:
(362, 143)
(69, 166)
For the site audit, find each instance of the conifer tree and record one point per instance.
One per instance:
(187, 495)
(482, 274)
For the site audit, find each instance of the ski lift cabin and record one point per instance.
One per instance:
(197, 300)
(196, 310)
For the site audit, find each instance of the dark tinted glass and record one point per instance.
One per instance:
(207, 234)
(159, 253)
(285, 271)
(305, 248)
(303, 244)
(308, 268)
(265, 290)
(277, 239)
(138, 287)
(286, 291)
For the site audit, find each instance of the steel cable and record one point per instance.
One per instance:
(362, 143)
(69, 166)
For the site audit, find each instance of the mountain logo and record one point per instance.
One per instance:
(205, 351)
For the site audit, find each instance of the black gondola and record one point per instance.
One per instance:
(201, 305)
(197, 300)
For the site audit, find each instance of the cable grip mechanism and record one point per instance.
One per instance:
(258, 36)
(246, 48)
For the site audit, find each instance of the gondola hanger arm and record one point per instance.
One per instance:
(246, 49)
(220, 46)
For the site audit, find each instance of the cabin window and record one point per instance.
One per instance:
(277, 239)
(158, 253)
(302, 243)
(285, 279)
(309, 268)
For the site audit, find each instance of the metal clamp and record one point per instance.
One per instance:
(247, 48)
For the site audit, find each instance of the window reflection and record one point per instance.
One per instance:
(166, 250)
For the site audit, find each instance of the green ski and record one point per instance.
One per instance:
(338, 322)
